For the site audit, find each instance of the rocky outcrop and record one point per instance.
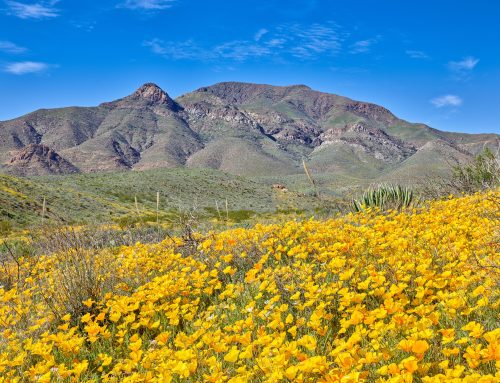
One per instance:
(371, 140)
(371, 112)
(148, 95)
(36, 160)
(153, 95)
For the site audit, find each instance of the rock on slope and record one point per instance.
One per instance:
(37, 160)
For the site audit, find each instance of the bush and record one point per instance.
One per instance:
(385, 197)
(5, 227)
(482, 173)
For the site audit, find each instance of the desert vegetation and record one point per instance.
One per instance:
(386, 197)
(372, 296)
(482, 172)
(399, 284)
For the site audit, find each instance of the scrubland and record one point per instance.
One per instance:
(408, 296)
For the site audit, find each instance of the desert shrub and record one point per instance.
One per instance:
(479, 174)
(126, 221)
(386, 197)
(76, 268)
(73, 265)
(5, 227)
(240, 215)
(230, 215)
(75, 277)
(482, 173)
(12, 253)
(131, 221)
(9, 266)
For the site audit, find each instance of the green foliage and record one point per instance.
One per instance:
(132, 220)
(386, 197)
(240, 215)
(5, 227)
(231, 215)
(482, 173)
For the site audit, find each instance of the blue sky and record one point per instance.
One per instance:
(435, 62)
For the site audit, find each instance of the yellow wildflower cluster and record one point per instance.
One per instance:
(398, 297)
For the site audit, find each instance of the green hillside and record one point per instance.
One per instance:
(108, 197)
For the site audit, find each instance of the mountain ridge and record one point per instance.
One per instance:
(240, 128)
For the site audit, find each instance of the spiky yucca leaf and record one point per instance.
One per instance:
(386, 197)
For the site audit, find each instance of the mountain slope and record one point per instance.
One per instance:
(108, 197)
(244, 129)
(431, 160)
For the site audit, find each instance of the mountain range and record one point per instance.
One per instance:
(239, 128)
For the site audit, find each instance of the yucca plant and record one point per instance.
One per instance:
(386, 197)
(310, 178)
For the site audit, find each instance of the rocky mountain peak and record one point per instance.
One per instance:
(153, 94)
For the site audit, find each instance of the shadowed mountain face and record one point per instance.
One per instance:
(245, 129)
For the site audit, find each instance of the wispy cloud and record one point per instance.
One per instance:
(147, 5)
(26, 67)
(461, 69)
(241, 50)
(261, 32)
(312, 40)
(417, 54)
(295, 40)
(84, 25)
(278, 42)
(447, 100)
(39, 10)
(183, 50)
(363, 46)
(10, 47)
(157, 46)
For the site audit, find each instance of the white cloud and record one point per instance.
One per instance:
(10, 47)
(447, 100)
(148, 5)
(39, 10)
(182, 50)
(417, 54)
(467, 63)
(261, 32)
(26, 67)
(297, 40)
(310, 41)
(361, 46)
(461, 69)
(241, 50)
(276, 42)
(156, 45)
(364, 46)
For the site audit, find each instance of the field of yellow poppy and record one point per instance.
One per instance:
(368, 297)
